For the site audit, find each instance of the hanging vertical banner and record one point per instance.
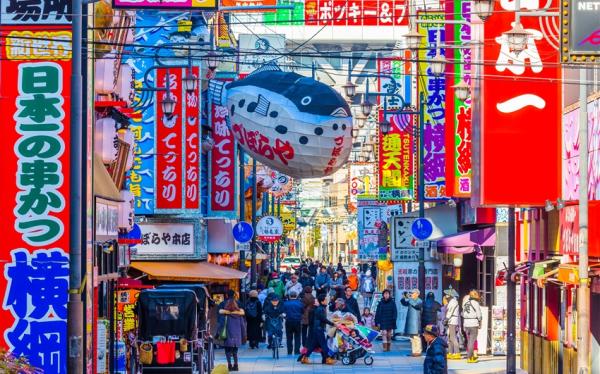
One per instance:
(458, 112)
(395, 78)
(222, 173)
(192, 146)
(361, 182)
(434, 90)
(34, 272)
(520, 87)
(169, 143)
(396, 179)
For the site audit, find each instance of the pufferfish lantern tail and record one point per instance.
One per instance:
(217, 94)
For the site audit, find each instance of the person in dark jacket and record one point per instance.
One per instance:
(236, 332)
(253, 312)
(351, 302)
(385, 319)
(322, 281)
(374, 270)
(435, 356)
(273, 311)
(306, 279)
(317, 333)
(312, 269)
(308, 303)
(431, 308)
(293, 309)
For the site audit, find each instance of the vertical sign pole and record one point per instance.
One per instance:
(511, 295)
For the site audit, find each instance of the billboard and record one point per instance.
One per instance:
(458, 113)
(516, 150)
(371, 216)
(581, 20)
(256, 50)
(36, 12)
(433, 90)
(167, 4)
(396, 160)
(35, 100)
(356, 13)
(360, 182)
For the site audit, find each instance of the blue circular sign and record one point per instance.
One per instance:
(422, 228)
(242, 232)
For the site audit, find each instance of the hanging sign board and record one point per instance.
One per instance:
(167, 4)
(269, 229)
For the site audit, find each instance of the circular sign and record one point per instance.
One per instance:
(422, 228)
(269, 229)
(243, 232)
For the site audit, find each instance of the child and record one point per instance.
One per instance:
(368, 319)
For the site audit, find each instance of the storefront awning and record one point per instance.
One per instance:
(468, 241)
(103, 184)
(186, 271)
(569, 273)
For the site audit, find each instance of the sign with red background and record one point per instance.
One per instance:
(34, 272)
(222, 166)
(356, 12)
(569, 230)
(192, 146)
(520, 130)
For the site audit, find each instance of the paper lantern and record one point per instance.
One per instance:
(125, 84)
(127, 136)
(104, 139)
(126, 210)
(104, 75)
(291, 123)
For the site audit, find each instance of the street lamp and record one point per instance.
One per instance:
(354, 132)
(385, 126)
(168, 104)
(438, 65)
(413, 39)
(190, 82)
(517, 38)
(461, 90)
(366, 107)
(483, 8)
(349, 89)
(212, 60)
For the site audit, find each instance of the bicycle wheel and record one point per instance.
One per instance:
(276, 347)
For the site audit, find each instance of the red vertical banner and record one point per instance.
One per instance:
(222, 166)
(192, 147)
(520, 130)
(169, 143)
(35, 97)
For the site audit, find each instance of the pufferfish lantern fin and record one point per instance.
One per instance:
(269, 66)
(217, 93)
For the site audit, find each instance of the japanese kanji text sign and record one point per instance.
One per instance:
(163, 240)
(434, 90)
(396, 180)
(269, 229)
(356, 12)
(361, 181)
(35, 12)
(167, 4)
(222, 166)
(581, 42)
(458, 112)
(35, 97)
(520, 131)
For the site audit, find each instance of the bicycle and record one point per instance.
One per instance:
(275, 341)
(275, 328)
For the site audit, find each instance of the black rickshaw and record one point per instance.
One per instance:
(169, 335)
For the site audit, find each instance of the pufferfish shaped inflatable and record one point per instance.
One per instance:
(291, 123)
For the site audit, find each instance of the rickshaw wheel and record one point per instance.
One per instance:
(368, 360)
(346, 360)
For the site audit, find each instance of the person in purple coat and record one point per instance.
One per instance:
(236, 332)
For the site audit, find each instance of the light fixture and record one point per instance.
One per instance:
(190, 82)
(457, 260)
(483, 8)
(349, 89)
(168, 104)
(208, 144)
(549, 206)
(451, 203)
(517, 38)
(438, 65)
(413, 39)
(461, 90)
(212, 60)
(366, 107)
(354, 132)
(385, 126)
(560, 203)
(361, 122)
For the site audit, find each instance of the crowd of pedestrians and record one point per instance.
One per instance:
(311, 298)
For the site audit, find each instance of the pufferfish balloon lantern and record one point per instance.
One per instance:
(291, 123)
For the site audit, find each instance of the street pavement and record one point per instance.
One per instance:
(260, 361)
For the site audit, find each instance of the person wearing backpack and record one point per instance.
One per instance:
(367, 287)
(253, 312)
(471, 313)
(353, 280)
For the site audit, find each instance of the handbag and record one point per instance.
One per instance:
(223, 333)
(146, 353)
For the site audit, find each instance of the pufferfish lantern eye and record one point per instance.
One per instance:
(306, 100)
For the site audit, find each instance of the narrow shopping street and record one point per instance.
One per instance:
(396, 361)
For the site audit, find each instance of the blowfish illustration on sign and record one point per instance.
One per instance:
(291, 123)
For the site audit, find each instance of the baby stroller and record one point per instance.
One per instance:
(357, 343)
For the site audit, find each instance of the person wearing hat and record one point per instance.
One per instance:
(413, 320)
(277, 285)
(273, 319)
(451, 321)
(435, 355)
(254, 312)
